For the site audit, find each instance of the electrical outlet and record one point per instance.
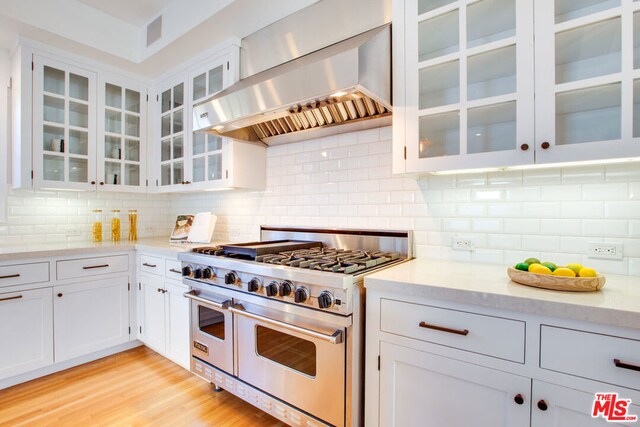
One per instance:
(601, 250)
(463, 244)
(73, 231)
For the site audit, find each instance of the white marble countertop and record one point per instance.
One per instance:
(618, 303)
(43, 250)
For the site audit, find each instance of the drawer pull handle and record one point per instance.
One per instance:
(10, 276)
(620, 364)
(149, 265)
(542, 405)
(173, 270)
(519, 399)
(91, 267)
(443, 329)
(10, 298)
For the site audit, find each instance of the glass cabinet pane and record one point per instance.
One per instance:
(490, 20)
(166, 100)
(198, 142)
(588, 51)
(132, 125)
(78, 87)
(491, 73)
(78, 114)
(78, 170)
(177, 121)
(215, 80)
(178, 95)
(131, 174)
(636, 108)
(438, 36)
(165, 150)
(491, 128)
(112, 121)
(54, 81)
(425, 6)
(113, 96)
(78, 142)
(214, 142)
(53, 109)
(440, 85)
(439, 135)
(53, 168)
(132, 101)
(567, 10)
(112, 147)
(53, 139)
(636, 40)
(199, 86)
(165, 174)
(198, 169)
(165, 126)
(214, 167)
(178, 151)
(178, 176)
(112, 173)
(588, 115)
(132, 150)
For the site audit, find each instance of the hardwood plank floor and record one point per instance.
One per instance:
(134, 388)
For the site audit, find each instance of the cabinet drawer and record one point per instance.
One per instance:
(590, 355)
(151, 264)
(89, 267)
(22, 274)
(173, 269)
(489, 335)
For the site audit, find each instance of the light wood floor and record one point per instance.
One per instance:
(134, 388)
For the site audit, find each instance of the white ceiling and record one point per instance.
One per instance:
(136, 12)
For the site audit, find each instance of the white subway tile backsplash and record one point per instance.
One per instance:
(542, 176)
(582, 209)
(607, 191)
(471, 210)
(634, 228)
(561, 227)
(627, 209)
(454, 195)
(583, 174)
(622, 172)
(605, 228)
(541, 210)
(541, 243)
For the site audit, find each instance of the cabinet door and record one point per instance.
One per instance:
(170, 137)
(121, 135)
(421, 389)
(152, 318)
(177, 323)
(587, 80)
(90, 316)
(468, 83)
(26, 331)
(566, 407)
(64, 126)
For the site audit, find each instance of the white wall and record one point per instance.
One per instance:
(5, 72)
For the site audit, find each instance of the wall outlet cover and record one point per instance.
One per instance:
(604, 250)
(463, 244)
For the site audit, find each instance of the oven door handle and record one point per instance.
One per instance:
(335, 338)
(193, 295)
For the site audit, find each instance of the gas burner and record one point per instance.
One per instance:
(209, 250)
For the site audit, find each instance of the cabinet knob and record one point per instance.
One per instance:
(93, 183)
(60, 295)
(545, 145)
(159, 290)
(542, 405)
(519, 399)
(101, 183)
(524, 147)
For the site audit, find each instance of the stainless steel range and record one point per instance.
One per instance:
(280, 322)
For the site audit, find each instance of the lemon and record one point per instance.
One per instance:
(522, 266)
(587, 272)
(551, 266)
(533, 265)
(575, 267)
(565, 272)
(532, 261)
(539, 269)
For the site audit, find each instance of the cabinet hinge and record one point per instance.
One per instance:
(157, 98)
(140, 329)
(139, 286)
(147, 97)
(129, 330)
(156, 182)
(33, 67)
(31, 174)
(405, 152)
(227, 175)
(378, 363)
(147, 182)
(227, 65)
(128, 286)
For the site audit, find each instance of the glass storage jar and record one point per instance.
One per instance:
(133, 225)
(115, 225)
(96, 225)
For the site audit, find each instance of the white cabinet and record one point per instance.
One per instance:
(90, 316)
(152, 318)
(465, 95)
(178, 328)
(422, 389)
(26, 331)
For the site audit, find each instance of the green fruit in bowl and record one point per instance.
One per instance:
(551, 266)
(530, 261)
(522, 266)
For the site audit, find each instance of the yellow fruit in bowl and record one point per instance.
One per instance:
(539, 269)
(575, 267)
(564, 272)
(587, 272)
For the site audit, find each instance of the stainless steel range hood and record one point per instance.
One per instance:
(341, 88)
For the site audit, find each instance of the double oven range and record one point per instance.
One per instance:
(280, 322)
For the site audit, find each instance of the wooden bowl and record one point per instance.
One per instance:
(557, 283)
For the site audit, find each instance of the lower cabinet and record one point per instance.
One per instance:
(419, 389)
(90, 316)
(26, 331)
(164, 318)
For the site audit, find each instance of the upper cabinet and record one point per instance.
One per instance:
(467, 93)
(188, 160)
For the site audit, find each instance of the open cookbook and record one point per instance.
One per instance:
(196, 228)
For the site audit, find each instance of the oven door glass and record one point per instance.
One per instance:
(282, 360)
(212, 334)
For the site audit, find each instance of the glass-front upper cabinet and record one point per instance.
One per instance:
(122, 135)
(64, 125)
(587, 79)
(467, 85)
(172, 134)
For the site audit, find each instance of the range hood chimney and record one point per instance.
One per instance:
(341, 88)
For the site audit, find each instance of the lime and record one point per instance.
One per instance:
(532, 261)
(522, 266)
(551, 266)
(564, 271)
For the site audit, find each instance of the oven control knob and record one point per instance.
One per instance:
(325, 299)
(254, 285)
(301, 295)
(285, 288)
(208, 273)
(187, 271)
(231, 278)
(272, 289)
(197, 274)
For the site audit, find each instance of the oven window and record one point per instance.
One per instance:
(287, 350)
(211, 322)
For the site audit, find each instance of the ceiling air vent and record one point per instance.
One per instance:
(154, 30)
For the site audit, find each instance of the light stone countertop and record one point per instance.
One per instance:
(617, 304)
(42, 250)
